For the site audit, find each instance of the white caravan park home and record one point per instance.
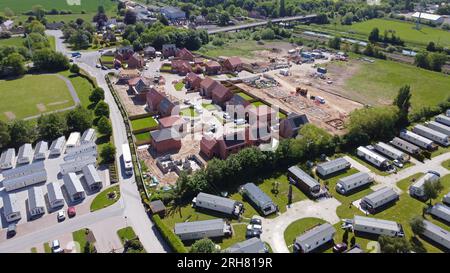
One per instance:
(263, 202)
(352, 182)
(252, 245)
(218, 203)
(416, 189)
(378, 199)
(372, 157)
(73, 186)
(73, 140)
(36, 202)
(438, 127)
(11, 208)
(57, 146)
(25, 154)
(76, 165)
(84, 150)
(55, 195)
(25, 175)
(88, 136)
(304, 182)
(7, 159)
(332, 166)
(201, 229)
(40, 150)
(405, 145)
(443, 119)
(376, 226)
(446, 199)
(92, 178)
(437, 234)
(418, 140)
(314, 238)
(391, 152)
(441, 211)
(429, 133)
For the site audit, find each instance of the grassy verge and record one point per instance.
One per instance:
(128, 234)
(446, 164)
(47, 248)
(179, 86)
(102, 199)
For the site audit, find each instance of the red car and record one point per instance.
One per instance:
(71, 212)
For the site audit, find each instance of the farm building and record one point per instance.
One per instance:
(36, 202)
(431, 134)
(252, 245)
(57, 146)
(217, 203)
(352, 182)
(417, 188)
(439, 127)
(336, 165)
(418, 140)
(73, 140)
(391, 152)
(11, 208)
(428, 17)
(201, 229)
(446, 199)
(436, 234)
(374, 158)
(376, 226)
(314, 238)
(40, 150)
(374, 201)
(92, 177)
(25, 154)
(73, 186)
(304, 181)
(165, 140)
(88, 136)
(405, 145)
(7, 159)
(84, 150)
(290, 126)
(441, 211)
(263, 202)
(55, 195)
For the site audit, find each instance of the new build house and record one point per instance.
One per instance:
(372, 157)
(55, 195)
(165, 140)
(376, 200)
(376, 226)
(330, 167)
(202, 229)
(418, 140)
(252, 245)
(261, 200)
(439, 127)
(431, 134)
(11, 208)
(36, 202)
(441, 211)
(73, 140)
(304, 181)
(391, 152)
(353, 182)
(57, 146)
(405, 146)
(73, 187)
(88, 136)
(417, 188)
(7, 159)
(219, 204)
(25, 154)
(40, 151)
(443, 119)
(314, 238)
(290, 126)
(92, 177)
(437, 234)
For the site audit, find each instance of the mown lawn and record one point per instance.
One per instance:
(257, 103)
(241, 48)
(209, 106)
(446, 164)
(79, 236)
(82, 86)
(179, 86)
(244, 96)
(143, 123)
(13, 41)
(190, 112)
(299, 227)
(143, 136)
(126, 234)
(25, 5)
(102, 200)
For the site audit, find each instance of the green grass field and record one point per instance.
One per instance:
(85, 5)
(13, 41)
(144, 123)
(257, 103)
(446, 164)
(102, 200)
(82, 86)
(241, 48)
(126, 234)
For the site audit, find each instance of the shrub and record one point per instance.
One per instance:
(171, 238)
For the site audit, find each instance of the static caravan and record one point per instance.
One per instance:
(376, 200)
(36, 202)
(447, 113)
(24, 170)
(57, 147)
(405, 146)
(446, 199)
(372, 157)
(376, 226)
(73, 186)
(437, 234)
(391, 152)
(441, 211)
(73, 140)
(7, 159)
(438, 127)
(352, 182)
(55, 195)
(25, 154)
(263, 202)
(443, 119)
(11, 208)
(418, 140)
(84, 150)
(314, 238)
(252, 245)
(92, 177)
(76, 165)
(88, 136)
(40, 150)
(429, 133)
(304, 181)
(14, 183)
(332, 166)
(217, 203)
(416, 189)
(202, 229)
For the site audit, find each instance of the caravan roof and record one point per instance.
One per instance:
(380, 194)
(303, 176)
(199, 226)
(376, 223)
(253, 245)
(258, 196)
(314, 234)
(348, 180)
(219, 202)
(333, 163)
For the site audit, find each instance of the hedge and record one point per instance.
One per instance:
(170, 237)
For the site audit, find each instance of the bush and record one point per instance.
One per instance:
(171, 238)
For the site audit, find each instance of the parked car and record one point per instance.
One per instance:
(56, 247)
(104, 67)
(11, 231)
(397, 163)
(256, 221)
(338, 248)
(98, 65)
(61, 216)
(71, 212)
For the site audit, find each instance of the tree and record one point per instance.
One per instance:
(431, 190)
(417, 225)
(51, 126)
(13, 65)
(402, 101)
(49, 60)
(21, 132)
(75, 69)
(335, 43)
(79, 119)
(436, 61)
(421, 60)
(101, 109)
(394, 244)
(431, 46)
(224, 18)
(203, 246)
(104, 126)
(4, 135)
(163, 20)
(355, 48)
(38, 11)
(130, 17)
(374, 35)
(368, 51)
(282, 11)
(34, 26)
(108, 153)
(97, 95)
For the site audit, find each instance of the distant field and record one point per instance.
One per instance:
(244, 48)
(19, 6)
(13, 41)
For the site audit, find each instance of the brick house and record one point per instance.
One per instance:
(236, 106)
(175, 121)
(233, 64)
(206, 86)
(258, 134)
(124, 53)
(169, 50)
(150, 52)
(136, 62)
(224, 146)
(181, 67)
(165, 140)
(154, 98)
(127, 74)
(184, 54)
(165, 107)
(138, 86)
(291, 124)
(220, 94)
(212, 68)
(192, 81)
(261, 114)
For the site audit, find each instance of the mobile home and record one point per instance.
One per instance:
(446, 199)
(405, 146)
(92, 177)
(314, 238)
(416, 189)
(36, 202)
(88, 136)
(437, 234)
(443, 119)
(14, 183)
(376, 200)
(84, 150)
(11, 208)
(252, 245)
(418, 140)
(431, 134)
(372, 157)
(7, 159)
(441, 211)
(217, 203)
(25, 154)
(202, 229)
(57, 146)
(55, 195)
(40, 150)
(376, 226)
(332, 166)
(73, 186)
(304, 181)
(263, 202)
(438, 127)
(77, 164)
(391, 152)
(73, 140)
(353, 182)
